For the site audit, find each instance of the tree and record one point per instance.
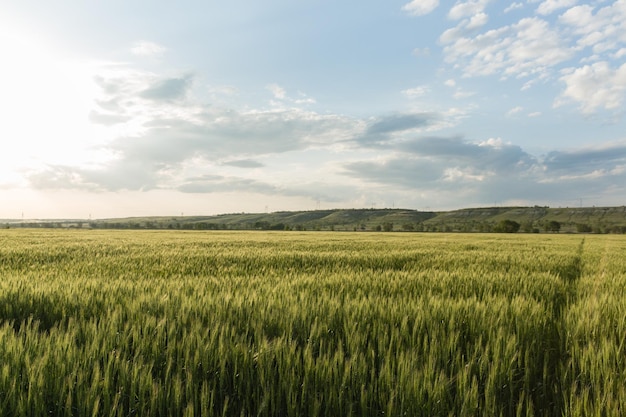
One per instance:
(507, 226)
(583, 228)
(388, 227)
(262, 225)
(553, 226)
(527, 227)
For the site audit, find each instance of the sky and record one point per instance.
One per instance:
(141, 108)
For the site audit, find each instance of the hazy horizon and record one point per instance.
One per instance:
(153, 108)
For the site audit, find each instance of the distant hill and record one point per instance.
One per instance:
(339, 219)
(531, 219)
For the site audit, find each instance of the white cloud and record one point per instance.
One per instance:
(451, 35)
(420, 7)
(525, 48)
(472, 18)
(478, 20)
(146, 48)
(579, 16)
(467, 9)
(596, 86)
(534, 114)
(538, 49)
(450, 83)
(513, 6)
(550, 6)
(457, 174)
(305, 100)
(416, 91)
(278, 92)
(281, 98)
(497, 143)
(514, 111)
(603, 31)
(421, 52)
(461, 94)
(225, 90)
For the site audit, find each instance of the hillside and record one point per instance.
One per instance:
(346, 220)
(531, 219)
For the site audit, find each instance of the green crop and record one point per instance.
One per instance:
(164, 323)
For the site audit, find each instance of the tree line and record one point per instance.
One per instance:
(472, 226)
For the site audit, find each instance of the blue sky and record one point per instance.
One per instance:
(139, 108)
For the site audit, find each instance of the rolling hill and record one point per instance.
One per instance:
(531, 219)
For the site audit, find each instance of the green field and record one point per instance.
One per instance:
(172, 323)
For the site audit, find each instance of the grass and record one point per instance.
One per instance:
(116, 323)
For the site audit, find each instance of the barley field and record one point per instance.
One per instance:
(172, 323)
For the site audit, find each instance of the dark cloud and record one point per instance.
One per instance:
(586, 160)
(450, 168)
(431, 179)
(171, 143)
(244, 163)
(503, 158)
(217, 184)
(219, 135)
(400, 122)
(385, 128)
(542, 188)
(411, 173)
(441, 146)
(314, 190)
(168, 89)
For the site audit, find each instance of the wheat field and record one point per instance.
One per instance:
(173, 323)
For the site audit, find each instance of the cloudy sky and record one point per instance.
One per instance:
(154, 107)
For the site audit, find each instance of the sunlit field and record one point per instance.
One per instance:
(165, 323)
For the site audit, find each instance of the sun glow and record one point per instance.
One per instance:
(45, 101)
